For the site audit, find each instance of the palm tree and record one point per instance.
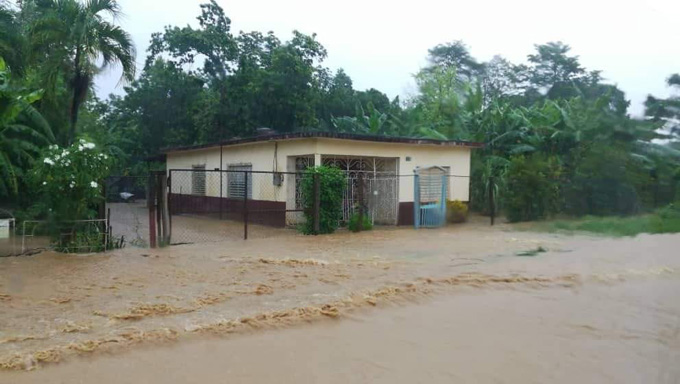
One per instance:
(75, 40)
(12, 40)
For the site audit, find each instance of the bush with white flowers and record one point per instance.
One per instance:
(69, 180)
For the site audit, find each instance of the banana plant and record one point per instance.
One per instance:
(23, 132)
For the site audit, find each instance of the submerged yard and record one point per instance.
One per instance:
(59, 308)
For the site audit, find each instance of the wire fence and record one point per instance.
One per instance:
(78, 236)
(126, 206)
(213, 205)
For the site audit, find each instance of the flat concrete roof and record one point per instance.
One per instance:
(328, 135)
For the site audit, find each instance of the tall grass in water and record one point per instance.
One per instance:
(663, 220)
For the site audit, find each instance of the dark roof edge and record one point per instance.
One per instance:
(329, 135)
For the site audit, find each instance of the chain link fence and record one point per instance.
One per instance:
(213, 205)
(126, 206)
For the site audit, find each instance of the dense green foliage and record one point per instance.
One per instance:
(353, 223)
(558, 137)
(662, 220)
(531, 189)
(23, 132)
(331, 187)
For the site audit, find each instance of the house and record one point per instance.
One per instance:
(264, 167)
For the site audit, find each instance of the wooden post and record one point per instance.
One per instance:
(163, 206)
(159, 196)
(170, 202)
(492, 203)
(108, 229)
(245, 205)
(221, 185)
(361, 201)
(317, 203)
(151, 205)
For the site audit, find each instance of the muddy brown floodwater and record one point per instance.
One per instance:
(449, 305)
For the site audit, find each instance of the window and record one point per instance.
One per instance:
(198, 180)
(236, 181)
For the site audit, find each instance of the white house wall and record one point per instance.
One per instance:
(261, 156)
(457, 158)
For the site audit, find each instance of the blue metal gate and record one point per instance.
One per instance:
(429, 197)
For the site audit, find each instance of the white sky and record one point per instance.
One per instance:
(381, 43)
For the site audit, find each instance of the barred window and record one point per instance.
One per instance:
(198, 180)
(236, 181)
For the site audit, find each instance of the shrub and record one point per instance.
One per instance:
(456, 211)
(353, 224)
(68, 185)
(68, 180)
(332, 185)
(532, 190)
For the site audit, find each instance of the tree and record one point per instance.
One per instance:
(22, 132)
(213, 42)
(288, 88)
(502, 79)
(552, 67)
(666, 111)
(70, 37)
(375, 98)
(158, 110)
(455, 55)
(13, 40)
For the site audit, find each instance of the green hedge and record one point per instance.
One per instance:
(353, 224)
(332, 185)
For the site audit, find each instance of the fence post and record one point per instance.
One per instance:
(109, 232)
(245, 205)
(159, 203)
(221, 189)
(416, 200)
(151, 205)
(442, 208)
(163, 206)
(492, 203)
(101, 211)
(317, 203)
(361, 201)
(170, 206)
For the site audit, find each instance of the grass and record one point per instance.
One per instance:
(664, 220)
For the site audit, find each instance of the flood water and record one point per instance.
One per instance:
(450, 305)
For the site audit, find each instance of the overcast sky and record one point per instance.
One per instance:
(382, 43)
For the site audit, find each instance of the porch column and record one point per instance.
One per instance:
(317, 159)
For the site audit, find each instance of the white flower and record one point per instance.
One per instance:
(48, 161)
(105, 157)
(82, 141)
(73, 184)
(44, 182)
(80, 148)
(94, 184)
(53, 147)
(89, 145)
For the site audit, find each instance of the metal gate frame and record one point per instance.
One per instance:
(429, 214)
